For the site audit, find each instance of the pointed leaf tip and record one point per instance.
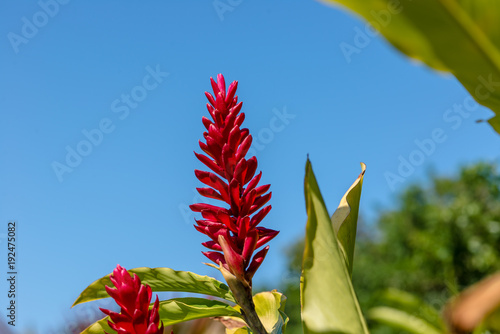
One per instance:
(345, 219)
(329, 304)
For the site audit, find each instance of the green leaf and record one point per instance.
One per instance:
(329, 303)
(285, 320)
(345, 219)
(402, 320)
(410, 303)
(174, 311)
(269, 307)
(457, 36)
(162, 279)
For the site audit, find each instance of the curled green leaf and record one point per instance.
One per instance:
(329, 303)
(345, 219)
(162, 280)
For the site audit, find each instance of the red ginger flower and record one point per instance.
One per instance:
(133, 298)
(234, 230)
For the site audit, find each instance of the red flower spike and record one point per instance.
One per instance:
(233, 230)
(133, 298)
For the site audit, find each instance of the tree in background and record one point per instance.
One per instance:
(437, 240)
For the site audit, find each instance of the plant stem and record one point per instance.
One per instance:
(242, 291)
(251, 317)
(243, 295)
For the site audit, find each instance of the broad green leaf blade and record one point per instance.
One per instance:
(410, 303)
(162, 279)
(402, 320)
(345, 219)
(269, 307)
(329, 304)
(178, 310)
(456, 36)
(174, 311)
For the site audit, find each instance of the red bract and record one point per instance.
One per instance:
(133, 298)
(234, 231)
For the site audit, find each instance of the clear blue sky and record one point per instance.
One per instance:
(125, 201)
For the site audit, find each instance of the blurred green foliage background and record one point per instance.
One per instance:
(439, 238)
